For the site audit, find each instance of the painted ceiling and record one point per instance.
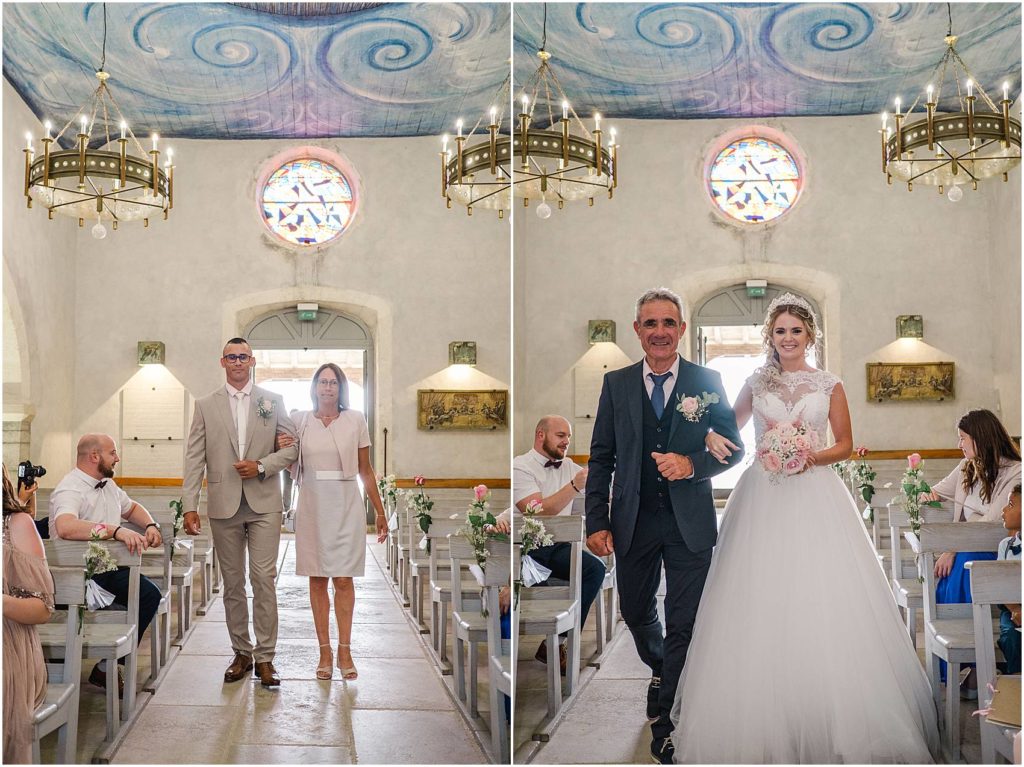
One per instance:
(678, 61)
(307, 70)
(263, 70)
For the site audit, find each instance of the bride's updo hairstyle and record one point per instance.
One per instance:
(788, 303)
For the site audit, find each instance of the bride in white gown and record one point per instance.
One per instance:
(799, 654)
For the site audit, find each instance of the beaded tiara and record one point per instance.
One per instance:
(789, 299)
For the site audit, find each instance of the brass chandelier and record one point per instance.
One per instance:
(951, 150)
(94, 176)
(541, 159)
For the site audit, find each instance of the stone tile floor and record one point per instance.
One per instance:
(400, 710)
(605, 723)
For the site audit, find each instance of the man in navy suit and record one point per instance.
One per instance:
(649, 437)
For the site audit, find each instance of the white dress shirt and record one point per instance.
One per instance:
(77, 494)
(240, 412)
(529, 476)
(669, 382)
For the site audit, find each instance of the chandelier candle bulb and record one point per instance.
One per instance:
(494, 116)
(458, 127)
(1006, 91)
(565, 109)
(155, 138)
(897, 106)
(47, 126)
(124, 127)
(970, 88)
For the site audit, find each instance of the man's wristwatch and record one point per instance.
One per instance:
(260, 469)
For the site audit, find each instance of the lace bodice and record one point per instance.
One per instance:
(780, 397)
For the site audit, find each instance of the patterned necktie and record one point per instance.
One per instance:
(101, 484)
(658, 393)
(556, 464)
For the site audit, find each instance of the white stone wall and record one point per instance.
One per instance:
(418, 275)
(865, 251)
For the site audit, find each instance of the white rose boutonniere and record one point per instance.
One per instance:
(693, 408)
(265, 408)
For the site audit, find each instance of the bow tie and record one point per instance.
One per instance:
(1015, 549)
(101, 484)
(556, 464)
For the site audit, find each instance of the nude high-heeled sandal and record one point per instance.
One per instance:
(325, 672)
(350, 672)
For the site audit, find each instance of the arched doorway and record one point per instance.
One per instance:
(289, 350)
(727, 337)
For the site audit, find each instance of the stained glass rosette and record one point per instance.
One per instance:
(307, 202)
(754, 180)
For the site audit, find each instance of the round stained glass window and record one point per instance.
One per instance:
(307, 202)
(754, 180)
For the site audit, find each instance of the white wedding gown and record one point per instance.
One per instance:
(799, 654)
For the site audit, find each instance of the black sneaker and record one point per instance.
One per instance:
(662, 750)
(653, 693)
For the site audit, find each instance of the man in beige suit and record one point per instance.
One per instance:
(233, 439)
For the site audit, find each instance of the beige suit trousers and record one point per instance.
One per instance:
(260, 535)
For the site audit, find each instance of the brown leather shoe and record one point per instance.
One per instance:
(267, 673)
(238, 668)
(563, 656)
(99, 678)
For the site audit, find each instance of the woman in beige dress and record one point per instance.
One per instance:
(330, 526)
(28, 600)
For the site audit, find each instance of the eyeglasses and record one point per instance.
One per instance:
(331, 383)
(243, 358)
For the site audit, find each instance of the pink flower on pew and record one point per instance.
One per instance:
(98, 532)
(862, 451)
(480, 492)
(914, 460)
(420, 480)
(534, 507)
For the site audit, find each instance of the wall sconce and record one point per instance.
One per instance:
(152, 353)
(910, 326)
(600, 331)
(462, 353)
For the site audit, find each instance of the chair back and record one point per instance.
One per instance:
(902, 563)
(62, 553)
(437, 534)
(938, 537)
(564, 528)
(992, 583)
(497, 573)
(68, 590)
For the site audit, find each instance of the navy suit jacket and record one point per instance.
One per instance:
(615, 453)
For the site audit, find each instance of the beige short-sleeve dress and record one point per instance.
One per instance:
(330, 517)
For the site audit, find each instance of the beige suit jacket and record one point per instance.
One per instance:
(213, 448)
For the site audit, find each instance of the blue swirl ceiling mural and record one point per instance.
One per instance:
(682, 60)
(273, 70)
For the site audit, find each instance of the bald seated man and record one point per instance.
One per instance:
(546, 475)
(88, 496)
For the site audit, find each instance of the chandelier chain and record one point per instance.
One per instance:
(103, 59)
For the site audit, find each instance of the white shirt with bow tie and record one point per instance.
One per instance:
(529, 476)
(78, 494)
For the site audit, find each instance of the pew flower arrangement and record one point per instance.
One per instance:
(179, 515)
(478, 530)
(913, 487)
(533, 536)
(419, 504)
(863, 477)
(97, 560)
(389, 491)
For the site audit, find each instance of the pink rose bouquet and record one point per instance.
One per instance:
(785, 448)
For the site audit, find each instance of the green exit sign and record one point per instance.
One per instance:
(755, 292)
(307, 315)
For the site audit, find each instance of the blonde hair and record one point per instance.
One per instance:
(802, 314)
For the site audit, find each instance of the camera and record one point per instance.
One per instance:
(27, 474)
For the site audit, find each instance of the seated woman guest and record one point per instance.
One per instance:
(330, 527)
(978, 488)
(28, 600)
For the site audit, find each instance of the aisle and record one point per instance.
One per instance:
(398, 711)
